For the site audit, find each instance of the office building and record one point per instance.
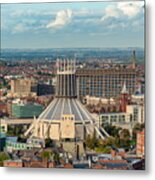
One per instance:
(22, 87)
(26, 110)
(45, 89)
(105, 83)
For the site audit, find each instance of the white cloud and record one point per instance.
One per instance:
(31, 12)
(119, 16)
(2, 24)
(111, 11)
(123, 9)
(19, 28)
(62, 18)
(26, 25)
(130, 9)
(84, 12)
(17, 13)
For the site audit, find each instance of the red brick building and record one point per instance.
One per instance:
(140, 149)
(12, 163)
(3, 108)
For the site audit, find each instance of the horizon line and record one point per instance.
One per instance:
(35, 48)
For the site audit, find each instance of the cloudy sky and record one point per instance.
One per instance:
(62, 25)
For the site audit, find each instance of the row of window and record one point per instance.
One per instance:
(114, 118)
(14, 145)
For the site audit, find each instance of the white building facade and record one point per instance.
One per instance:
(133, 114)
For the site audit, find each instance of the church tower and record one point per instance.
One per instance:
(124, 99)
(134, 60)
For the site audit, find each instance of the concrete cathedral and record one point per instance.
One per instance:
(65, 118)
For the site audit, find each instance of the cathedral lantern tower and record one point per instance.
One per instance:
(66, 79)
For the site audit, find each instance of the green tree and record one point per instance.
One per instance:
(136, 128)
(106, 149)
(46, 155)
(112, 130)
(56, 158)
(88, 142)
(111, 141)
(125, 138)
(3, 157)
(92, 141)
(49, 142)
(125, 143)
(124, 134)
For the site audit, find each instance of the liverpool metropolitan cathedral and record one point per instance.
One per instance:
(65, 118)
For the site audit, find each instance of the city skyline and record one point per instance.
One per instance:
(73, 25)
(72, 85)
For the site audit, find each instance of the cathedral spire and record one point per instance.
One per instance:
(134, 60)
(124, 89)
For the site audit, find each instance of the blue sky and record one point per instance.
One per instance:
(62, 25)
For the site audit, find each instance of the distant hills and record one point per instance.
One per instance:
(115, 54)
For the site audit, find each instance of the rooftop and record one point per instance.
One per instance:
(60, 106)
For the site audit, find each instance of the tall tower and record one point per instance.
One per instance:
(134, 59)
(66, 79)
(124, 99)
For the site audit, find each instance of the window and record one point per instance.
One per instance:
(122, 118)
(113, 118)
(135, 114)
(105, 119)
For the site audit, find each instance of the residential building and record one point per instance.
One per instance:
(22, 87)
(12, 144)
(133, 114)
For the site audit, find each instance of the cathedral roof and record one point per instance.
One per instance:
(66, 106)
